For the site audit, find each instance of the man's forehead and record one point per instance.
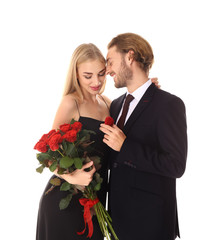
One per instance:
(112, 52)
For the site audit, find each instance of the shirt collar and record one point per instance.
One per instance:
(139, 92)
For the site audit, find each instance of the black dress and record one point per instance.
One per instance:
(56, 224)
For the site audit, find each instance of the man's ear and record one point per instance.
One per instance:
(130, 56)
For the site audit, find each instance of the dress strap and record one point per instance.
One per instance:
(77, 107)
(105, 102)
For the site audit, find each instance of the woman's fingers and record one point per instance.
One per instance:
(87, 165)
(92, 170)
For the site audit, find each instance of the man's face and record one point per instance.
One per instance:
(117, 68)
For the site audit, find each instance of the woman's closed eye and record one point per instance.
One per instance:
(87, 76)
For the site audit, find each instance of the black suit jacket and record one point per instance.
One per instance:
(142, 196)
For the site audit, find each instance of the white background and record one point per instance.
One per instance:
(36, 43)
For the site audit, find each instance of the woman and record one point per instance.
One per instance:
(82, 100)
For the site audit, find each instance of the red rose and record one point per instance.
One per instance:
(70, 136)
(65, 127)
(109, 121)
(76, 126)
(51, 132)
(46, 137)
(41, 146)
(54, 141)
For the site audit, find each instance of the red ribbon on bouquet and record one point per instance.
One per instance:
(87, 203)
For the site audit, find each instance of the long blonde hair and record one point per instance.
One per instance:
(82, 53)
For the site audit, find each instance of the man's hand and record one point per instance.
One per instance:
(113, 136)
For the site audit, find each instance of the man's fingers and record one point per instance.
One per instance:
(104, 127)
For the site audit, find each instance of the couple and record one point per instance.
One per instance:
(145, 149)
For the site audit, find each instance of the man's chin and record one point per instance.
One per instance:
(119, 85)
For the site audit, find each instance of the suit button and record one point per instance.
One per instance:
(115, 165)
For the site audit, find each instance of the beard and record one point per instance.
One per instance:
(124, 75)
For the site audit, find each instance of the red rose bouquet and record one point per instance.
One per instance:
(66, 150)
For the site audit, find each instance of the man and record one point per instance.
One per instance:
(149, 146)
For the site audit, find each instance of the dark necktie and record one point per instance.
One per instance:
(122, 118)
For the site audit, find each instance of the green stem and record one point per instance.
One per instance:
(104, 220)
(108, 222)
(99, 220)
(60, 153)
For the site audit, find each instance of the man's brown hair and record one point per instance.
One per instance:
(143, 53)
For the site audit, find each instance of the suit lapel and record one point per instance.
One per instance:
(141, 106)
(117, 107)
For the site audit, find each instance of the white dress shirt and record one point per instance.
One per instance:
(137, 94)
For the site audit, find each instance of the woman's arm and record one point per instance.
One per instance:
(66, 111)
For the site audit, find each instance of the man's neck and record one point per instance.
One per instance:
(137, 81)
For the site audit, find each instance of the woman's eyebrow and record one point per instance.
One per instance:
(92, 73)
(87, 73)
(102, 70)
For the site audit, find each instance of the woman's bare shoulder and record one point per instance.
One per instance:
(66, 110)
(69, 101)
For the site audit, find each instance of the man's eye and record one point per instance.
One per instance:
(109, 63)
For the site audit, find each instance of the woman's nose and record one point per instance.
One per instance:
(96, 80)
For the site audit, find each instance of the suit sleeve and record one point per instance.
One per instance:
(169, 157)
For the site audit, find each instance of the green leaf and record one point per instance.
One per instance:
(97, 187)
(78, 163)
(95, 159)
(85, 131)
(64, 144)
(65, 186)
(40, 169)
(66, 162)
(65, 201)
(70, 148)
(61, 170)
(55, 181)
(73, 121)
(43, 156)
(53, 166)
(98, 178)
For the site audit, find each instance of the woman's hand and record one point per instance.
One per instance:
(156, 82)
(80, 176)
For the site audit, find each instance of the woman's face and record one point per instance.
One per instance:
(91, 76)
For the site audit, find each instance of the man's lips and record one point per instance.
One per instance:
(113, 75)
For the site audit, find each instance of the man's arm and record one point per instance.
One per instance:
(170, 158)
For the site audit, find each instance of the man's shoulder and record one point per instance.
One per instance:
(166, 97)
(118, 99)
(166, 102)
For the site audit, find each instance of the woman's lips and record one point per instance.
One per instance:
(95, 88)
